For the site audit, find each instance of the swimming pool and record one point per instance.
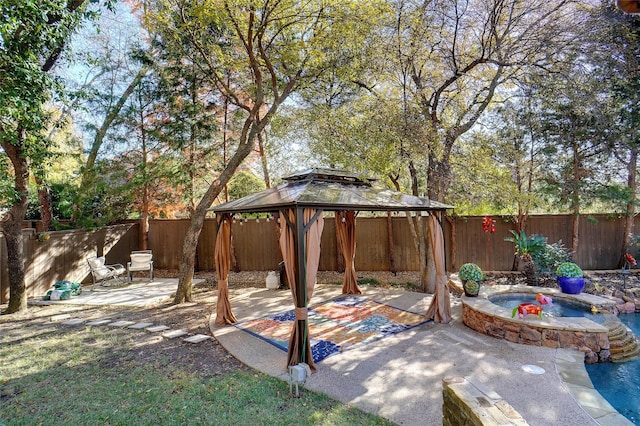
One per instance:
(619, 383)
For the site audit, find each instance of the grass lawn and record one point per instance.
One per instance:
(51, 374)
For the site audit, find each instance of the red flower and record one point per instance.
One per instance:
(488, 224)
(630, 259)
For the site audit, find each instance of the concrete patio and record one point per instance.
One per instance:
(400, 377)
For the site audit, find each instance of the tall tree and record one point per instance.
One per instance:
(34, 35)
(460, 53)
(574, 128)
(256, 54)
(616, 58)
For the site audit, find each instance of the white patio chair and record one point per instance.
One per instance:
(141, 261)
(101, 273)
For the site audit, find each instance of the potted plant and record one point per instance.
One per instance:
(470, 274)
(471, 288)
(570, 278)
(527, 248)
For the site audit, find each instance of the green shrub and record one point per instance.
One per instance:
(550, 256)
(470, 271)
(367, 281)
(569, 269)
(526, 245)
(471, 286)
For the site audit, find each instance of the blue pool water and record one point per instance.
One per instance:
(619, 383)
(560, 308)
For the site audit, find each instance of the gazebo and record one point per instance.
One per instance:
(299, 204)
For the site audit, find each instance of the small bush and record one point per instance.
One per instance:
(569, 269)
(470, 271)
(471, 286)
(367, 281)
(550, 257)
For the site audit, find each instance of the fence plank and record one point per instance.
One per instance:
(64, 256)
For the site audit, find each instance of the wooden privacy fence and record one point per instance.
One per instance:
(256, 245)
(63, 256)
(599, 246)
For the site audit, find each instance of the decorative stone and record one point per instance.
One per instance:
(603, 341)
(157, 328)
(590, 358)
(531, 335)
(550, 343)
(583, 335)
(121, 323)
(451, 380)
(604, 356)
(140, 325)
(59, 317)
(99, 322)
(197, 338)
(512, 327)
(75, 321)
(627, 308)
(173, 334)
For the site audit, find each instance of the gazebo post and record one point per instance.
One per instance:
(301, 281)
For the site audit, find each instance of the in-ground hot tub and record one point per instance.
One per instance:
(580, 333)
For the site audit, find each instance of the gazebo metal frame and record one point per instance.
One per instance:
(310, 193)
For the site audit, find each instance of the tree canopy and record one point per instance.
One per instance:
(148, 108)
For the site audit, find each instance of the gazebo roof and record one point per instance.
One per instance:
(328, 189)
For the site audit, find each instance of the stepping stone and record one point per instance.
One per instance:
(157, 328)
(173, 334)
(197, 338)
(141, 325)
(99, 322)
(75, 321)
(60, 317)
(121, 324)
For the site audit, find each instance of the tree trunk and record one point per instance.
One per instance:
(144, 214)
(439, 177)
(392, 257)
(575, 198)
(12, 226)
(430, 274)
(422, 253)
(340, 264)
(454, 242)
(631, 202)
(530, 270)
(44, 199)
(263, 161)
(88, 173)
(187, 264)
(427, 263)
(235, 265)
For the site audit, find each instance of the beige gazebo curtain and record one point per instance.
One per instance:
(313, 238)
(440, 308)
(346, 233)
(299, 341)
(222, 256)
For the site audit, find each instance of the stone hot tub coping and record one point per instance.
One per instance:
(580, 333)
(483, 304)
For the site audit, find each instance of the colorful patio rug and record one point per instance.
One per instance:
(336, 325)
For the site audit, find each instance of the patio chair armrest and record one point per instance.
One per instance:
(114, 267)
